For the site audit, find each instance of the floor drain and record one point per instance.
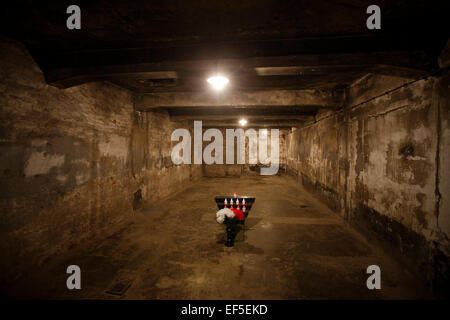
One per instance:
(119, 288)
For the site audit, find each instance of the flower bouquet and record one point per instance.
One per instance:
(230, 217)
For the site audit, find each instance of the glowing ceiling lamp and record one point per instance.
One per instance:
(242, 122)
(218, 82)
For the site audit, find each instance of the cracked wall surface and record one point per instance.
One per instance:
(74, 163)
(380, 163)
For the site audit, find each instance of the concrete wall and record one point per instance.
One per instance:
(74, 163)
(169, 178)
(237, 170)
(380, 163)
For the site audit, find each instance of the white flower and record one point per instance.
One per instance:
(221, 214)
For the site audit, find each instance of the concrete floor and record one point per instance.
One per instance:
(296, 248)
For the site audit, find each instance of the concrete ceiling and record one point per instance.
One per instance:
(164, 50)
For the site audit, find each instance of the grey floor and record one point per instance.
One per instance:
(295, 248)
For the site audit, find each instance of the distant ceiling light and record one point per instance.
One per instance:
(218, 82)
(242, 122)
(264, 132)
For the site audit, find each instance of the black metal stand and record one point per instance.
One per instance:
(230, 236)
(232, 229)
(232, 224)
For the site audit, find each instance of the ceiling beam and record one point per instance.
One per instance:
(222, 50)
(257, 114)
(68, 69)
(225, 117)
(309, 99)
(255, 111)
(253, 124)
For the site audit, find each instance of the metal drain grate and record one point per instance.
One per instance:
(119, 288)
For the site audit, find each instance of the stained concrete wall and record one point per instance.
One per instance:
(237, 170)
(74, 163)
(170, 178)
(380, 163)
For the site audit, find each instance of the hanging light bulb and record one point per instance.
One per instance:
(242, 122)
(218, 82)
